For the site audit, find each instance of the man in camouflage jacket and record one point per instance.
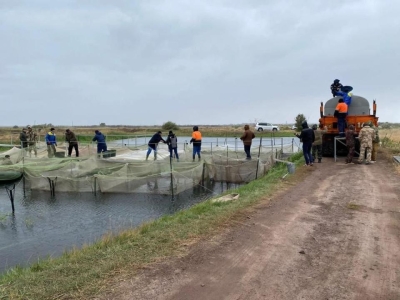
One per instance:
(350, 143)
(317, 145)
(366, 136)
(375, 141)
(32, 139)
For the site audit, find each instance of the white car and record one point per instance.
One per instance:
(261, 126)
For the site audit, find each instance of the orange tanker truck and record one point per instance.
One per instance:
(359, 112)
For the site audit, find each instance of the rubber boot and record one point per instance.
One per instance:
(147, 156)
(199, 157)
(194, 157)
(155, 156)
(319, 160)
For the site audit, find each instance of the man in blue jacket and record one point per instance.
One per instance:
(153, 143)
(101, 141)
(51, 142)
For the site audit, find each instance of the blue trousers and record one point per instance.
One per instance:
(341, 124)
(307, 152)
(175, 150)
(247, 151)
(196, 150)
(101, 147)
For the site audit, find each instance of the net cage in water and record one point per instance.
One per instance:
(129, 172)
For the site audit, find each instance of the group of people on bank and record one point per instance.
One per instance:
(29, 139)
(172, 142)
(368, 138)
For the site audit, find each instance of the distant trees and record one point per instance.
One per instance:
(170, 126)
(102, 124)
(299, 119)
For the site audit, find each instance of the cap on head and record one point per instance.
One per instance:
(29, 127)
(336, 80)
(67, 130)
(96, 131)
(341, 100)
(195, 128)
(246, 127)
(159, 132)
(52, 128)
(314, 126)
(170, 132)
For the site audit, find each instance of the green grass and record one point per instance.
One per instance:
(353, 206)
(80, 274)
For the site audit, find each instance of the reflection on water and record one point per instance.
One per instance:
(47, 226)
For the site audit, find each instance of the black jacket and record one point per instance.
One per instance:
(307, 134)
(155, 140)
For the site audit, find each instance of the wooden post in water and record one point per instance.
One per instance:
(11, 193)
(52, 183)
(258, 157)
(203, 174)
(172, 179)
(23, 175)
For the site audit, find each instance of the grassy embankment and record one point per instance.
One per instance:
(83, 273)
(390, 139)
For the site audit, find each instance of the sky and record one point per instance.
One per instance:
(146, 62)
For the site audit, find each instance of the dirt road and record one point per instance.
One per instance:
(334, 235)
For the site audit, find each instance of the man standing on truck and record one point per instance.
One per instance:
(335, 87)
(340, 114)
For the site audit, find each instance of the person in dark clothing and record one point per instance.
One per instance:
(307, 136)
(101, 141)
(335, 87)
(70, 138)
(153, 143)
(172, 142)
(350, 143)
(247, 138)
(24, 140)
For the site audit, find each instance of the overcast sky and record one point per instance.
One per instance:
(193, 62)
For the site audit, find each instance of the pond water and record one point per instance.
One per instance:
(47, 226)
(210, 142)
